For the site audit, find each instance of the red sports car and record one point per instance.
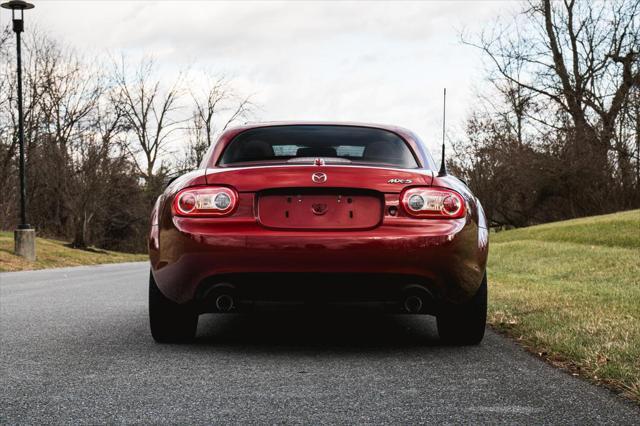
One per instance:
(318, 213)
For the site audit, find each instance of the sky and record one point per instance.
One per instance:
(380, 62)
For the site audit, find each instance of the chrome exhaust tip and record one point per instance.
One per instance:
(224, 303)
(413, 304)
(416, 299)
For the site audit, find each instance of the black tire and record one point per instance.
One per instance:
(465, 324)
(169, 321)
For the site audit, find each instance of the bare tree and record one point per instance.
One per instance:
(89, 137)
(70, 93)
(217, 106)
(149, 111)
(96, 158)
(34, 44)
(567, 71)
(581, 57)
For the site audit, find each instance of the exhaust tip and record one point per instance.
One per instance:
(413, 304)
(224, 303)
(416, 299)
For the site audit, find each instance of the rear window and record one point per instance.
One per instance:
(304, 144)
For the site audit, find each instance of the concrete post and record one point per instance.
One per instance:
(25, 243)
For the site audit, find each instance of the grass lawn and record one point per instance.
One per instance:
(55, 254)
(570, 292)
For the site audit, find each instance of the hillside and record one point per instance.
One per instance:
(570, 292)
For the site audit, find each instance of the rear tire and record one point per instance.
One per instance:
(170, 322)
(465, 324)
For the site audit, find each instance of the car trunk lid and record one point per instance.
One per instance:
(255, 179)
(307, 197)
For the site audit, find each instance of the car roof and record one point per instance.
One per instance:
(416, 144)
(257, 124)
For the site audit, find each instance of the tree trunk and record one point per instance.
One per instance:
(82, 226)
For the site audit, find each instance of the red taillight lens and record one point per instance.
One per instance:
(205, 202)
(433, 203)
(187, 202)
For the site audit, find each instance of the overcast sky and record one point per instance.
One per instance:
(384, 62)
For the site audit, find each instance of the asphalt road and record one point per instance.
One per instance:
(75, 348)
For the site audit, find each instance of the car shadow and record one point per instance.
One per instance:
(326, 330)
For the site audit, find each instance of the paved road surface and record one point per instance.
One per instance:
(75, 348)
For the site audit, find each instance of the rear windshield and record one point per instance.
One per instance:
(304, 144)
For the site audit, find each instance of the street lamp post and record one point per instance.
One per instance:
(24, 236)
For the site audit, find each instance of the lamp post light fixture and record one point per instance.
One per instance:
(24, 236)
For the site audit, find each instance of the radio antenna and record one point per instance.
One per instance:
(443, 166)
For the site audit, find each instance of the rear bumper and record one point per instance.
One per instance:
(447, 256)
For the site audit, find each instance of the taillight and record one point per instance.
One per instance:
(433, 203)
(205, 202)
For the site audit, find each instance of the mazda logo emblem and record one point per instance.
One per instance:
(319, 177)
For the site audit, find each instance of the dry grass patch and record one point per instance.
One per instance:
(56, 254)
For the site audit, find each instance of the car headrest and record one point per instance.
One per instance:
(320, 151)
(380, 151)
(255, 150)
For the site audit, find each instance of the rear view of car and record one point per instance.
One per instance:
(318, 213)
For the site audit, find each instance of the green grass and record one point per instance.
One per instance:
(56, 254)
(570, 291)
